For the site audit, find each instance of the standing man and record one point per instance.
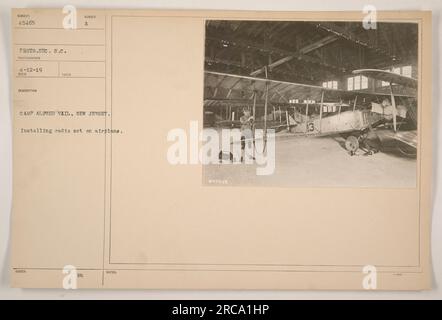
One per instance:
(246, 133)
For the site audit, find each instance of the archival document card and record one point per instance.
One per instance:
(221, 150)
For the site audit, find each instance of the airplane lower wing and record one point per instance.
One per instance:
(407, 137)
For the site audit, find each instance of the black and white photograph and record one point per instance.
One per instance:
(225, 156)
(312, 103)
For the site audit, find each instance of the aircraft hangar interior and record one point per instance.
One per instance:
(334, 103)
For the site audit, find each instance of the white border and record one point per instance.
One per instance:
(274, 5)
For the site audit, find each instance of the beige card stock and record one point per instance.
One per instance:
(97, 204)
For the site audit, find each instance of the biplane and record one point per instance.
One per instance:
(405, 132)
(301, 109)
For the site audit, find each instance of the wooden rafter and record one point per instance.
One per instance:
(311, 47)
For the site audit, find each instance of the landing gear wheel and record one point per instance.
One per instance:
(352, 144)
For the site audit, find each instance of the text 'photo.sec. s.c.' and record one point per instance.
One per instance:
(311, 104)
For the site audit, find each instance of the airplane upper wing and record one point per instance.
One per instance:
(221, 88)
(388, 76)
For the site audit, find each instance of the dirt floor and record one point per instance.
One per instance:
(320, 162)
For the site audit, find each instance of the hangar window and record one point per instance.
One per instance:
(406, 71)
(396, 70)
(357, 83)
(330, 84)
(364, 82)
(350, 84)
(329, 108)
